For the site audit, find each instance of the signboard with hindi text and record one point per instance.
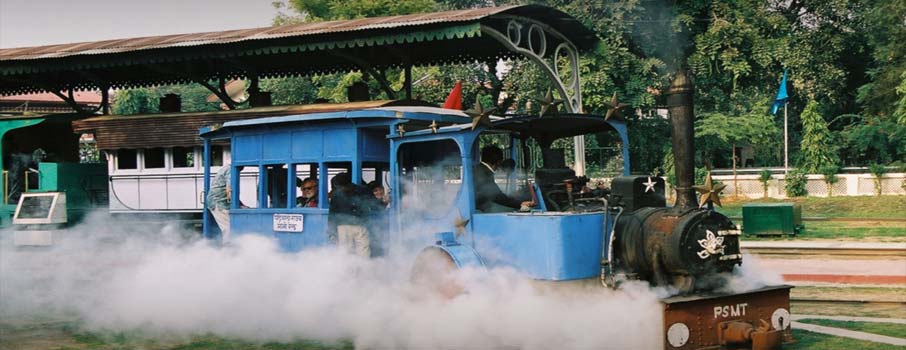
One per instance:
(289, 222)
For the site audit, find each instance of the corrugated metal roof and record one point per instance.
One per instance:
(231, 36)
(181, 129)
(87, 97)
(300, 49)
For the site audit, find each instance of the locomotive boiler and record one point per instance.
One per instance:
(677, 245)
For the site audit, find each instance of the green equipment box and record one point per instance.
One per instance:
(771, 219)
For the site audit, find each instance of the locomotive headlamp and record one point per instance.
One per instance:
(780, 319)
(678, 334)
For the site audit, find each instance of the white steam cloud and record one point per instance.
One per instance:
(165, 285)
(170, 284)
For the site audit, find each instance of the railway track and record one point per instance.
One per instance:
(849, 249)
(848, 301)
(819, 218)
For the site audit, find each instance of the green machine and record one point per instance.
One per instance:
(24, 136)
(772, 219)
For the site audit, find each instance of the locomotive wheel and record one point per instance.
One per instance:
(434, 271)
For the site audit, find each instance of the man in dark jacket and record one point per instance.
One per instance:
(488, 197)
(350, 209)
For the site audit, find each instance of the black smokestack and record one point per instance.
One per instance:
(680, 104)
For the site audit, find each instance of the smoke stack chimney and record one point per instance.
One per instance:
(680, 104)
(170, 103)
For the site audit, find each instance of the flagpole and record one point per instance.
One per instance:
(786, 140)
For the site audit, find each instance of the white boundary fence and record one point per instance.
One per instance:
(847, 185)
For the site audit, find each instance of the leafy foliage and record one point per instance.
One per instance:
(875, 140)
(878, 171)
(145, 100)
(819, 148)
(325, 10)
(885, 32)
(717, 132)
(765, 177)
(830, 177)
(736, 51)
(796, 181)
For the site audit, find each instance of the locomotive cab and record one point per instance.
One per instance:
(562, 238)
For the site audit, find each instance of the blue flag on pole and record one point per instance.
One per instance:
(781, 95)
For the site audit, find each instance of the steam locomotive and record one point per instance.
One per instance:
(427, 156)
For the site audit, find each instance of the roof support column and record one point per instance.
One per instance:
(408, 83)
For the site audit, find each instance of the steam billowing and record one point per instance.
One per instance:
(168, 284)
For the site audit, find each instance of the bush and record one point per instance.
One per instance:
(830, 177)
(765, 178)
(878, 171)
(795, 183)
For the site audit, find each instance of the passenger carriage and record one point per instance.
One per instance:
(428, 154)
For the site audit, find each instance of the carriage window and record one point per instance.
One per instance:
(183, 157)
(126, 159)
(276, 184)
(307, 185)
(154, 158)
(431, 178)
(374, 172)
(248, 187)
(216, 155)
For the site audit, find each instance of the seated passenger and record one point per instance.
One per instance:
(380, 195)
(488, 197)
(309, 194)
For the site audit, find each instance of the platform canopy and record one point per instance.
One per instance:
(483, 35)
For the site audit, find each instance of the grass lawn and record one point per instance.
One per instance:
(815, 341)
(872, 231)
(849, 309)
(102, 341)
(860, 207)
(833, 207)
(851, 293)
(888, 329)
(70, 336)
(805, 341)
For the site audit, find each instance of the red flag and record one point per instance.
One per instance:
(454, 100)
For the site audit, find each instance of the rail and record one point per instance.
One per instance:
(820, 218)
(847, 301)
(822, 248)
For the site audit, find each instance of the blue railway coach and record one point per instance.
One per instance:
(426, 156)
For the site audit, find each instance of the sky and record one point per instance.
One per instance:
(26, 23)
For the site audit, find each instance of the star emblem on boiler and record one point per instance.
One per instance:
(709, 192)
(712, 245)
(649, 186)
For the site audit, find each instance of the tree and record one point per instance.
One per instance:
(875, 140)
(885, 33)
(145, 100)
(717, 133)
(900, 113)
(878, 171)
(796, 182)
(819, 148)
(327, 10)
(765, 177)
(830, 177)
